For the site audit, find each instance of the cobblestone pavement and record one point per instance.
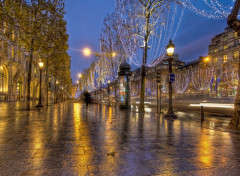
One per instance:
(65, 139)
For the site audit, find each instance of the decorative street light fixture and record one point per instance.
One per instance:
(170, 51)
(56, 92)
(108, 90)
(39, 105)
(79, 75)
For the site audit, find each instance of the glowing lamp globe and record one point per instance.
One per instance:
(114, 54)
(206, 59)
(170, 48)
(87, 52)
(41, 64)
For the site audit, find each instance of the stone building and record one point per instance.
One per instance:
(214, 75)
(13, 75)
(224, 56)
(151, 82)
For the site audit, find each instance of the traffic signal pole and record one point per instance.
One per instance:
(158, 75)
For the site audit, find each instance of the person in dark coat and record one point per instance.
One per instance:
(87, 98)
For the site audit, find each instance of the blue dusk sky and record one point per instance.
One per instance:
(84, 22)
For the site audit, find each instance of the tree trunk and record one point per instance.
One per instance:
(235, 121)
(143, 78)
(142, 94)
(29, 75)
(55, 91)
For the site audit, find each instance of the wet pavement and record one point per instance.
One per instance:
(65, 139)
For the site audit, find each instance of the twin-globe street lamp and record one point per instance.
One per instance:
(39, 105)
(88, 52)
(170, 51)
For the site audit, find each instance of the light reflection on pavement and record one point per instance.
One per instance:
(67, 139)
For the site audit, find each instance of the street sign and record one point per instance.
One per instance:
(171, 77)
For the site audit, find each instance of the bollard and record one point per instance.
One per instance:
(202, 114)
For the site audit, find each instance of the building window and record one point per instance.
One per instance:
(5, 46)
(225, 58)
(49, 82)
(225, 47)
(236, 54)
(225, 38)
(3, 80)
(235, 35)
(216, 50)
(13, 36)
(12, 53)
(19, 90)
(215, 60)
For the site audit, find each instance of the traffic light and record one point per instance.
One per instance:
(158, 75)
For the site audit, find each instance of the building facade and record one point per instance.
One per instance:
(214, 75)
(13, 75)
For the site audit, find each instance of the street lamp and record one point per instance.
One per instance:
(108, 89)
(170, 51)
(87, 51)
(39, 105)
(79, 75)
(56, 92)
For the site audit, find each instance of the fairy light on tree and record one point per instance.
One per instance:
(141, 22)
(201, 77)
(182, 80)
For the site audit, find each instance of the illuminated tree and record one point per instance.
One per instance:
(139, 20)
(201, 77)
(30, 20)
(182, 79)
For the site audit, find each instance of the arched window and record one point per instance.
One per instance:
(3, 80)
(19, 88)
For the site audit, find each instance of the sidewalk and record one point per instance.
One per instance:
(65, 139)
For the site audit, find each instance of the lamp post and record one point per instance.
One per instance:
(108, 89)
(56, 91)
(39, 105)
(170, 51)
(158, 74)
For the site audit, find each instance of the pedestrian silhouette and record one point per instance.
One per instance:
(87, 98)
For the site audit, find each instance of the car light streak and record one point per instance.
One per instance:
(214, 105)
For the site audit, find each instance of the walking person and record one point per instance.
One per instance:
(87, 98)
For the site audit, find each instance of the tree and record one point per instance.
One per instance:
(54, 43)
(141, 22)
(28, 18)
(234, 23)
(40, 31)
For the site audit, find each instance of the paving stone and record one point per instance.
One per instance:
(65, 139)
